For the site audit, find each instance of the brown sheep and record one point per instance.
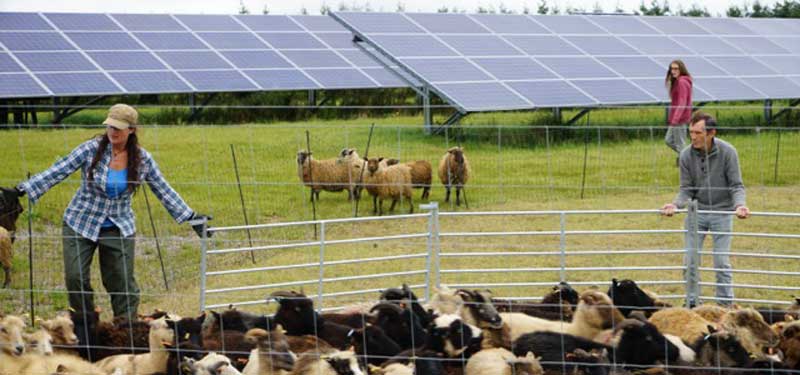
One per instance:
(790, 344)
(10, 209)
(271, 356)
(388, 182)
(329, 174)
(6, 255)
(681, 322)
(751, 329)
(62, 330)
(454, 170)
(421, 174)
(712, 313)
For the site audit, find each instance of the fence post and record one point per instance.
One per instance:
(203, 265)
(563, 247)
(692, 273)
(433, 219)
(321, 265)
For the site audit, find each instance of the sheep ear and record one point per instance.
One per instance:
(711, 329)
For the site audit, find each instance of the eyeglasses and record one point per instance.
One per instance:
(674, 68)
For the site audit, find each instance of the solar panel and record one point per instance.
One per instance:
(97, 54)
(527, 61)
(774, 87)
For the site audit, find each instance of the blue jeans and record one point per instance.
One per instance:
(722, 247)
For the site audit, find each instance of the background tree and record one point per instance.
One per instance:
(695, 11)
(655, 9)
(243, 9)
(542, 7)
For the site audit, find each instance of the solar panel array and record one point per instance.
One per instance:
(482, 62)
(66, 54)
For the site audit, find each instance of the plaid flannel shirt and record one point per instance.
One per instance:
(91, 205)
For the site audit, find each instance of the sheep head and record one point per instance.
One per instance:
(597, 310)
(720, 349)
(296, 313)
(162, 330)
(457, 154)
(450, 335)
(10, 209)
(751, 321)
(302, 156)
(40, 342)
(527, 365)
(343, 363)
(373, 164)
(627, 296)
(642, 344)
(11, 340)
(61, 328)
(479, 304)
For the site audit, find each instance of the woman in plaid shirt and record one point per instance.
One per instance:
(100, 216)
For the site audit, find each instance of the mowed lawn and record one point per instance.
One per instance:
(514, 168)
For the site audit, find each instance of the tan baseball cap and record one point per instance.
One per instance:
(121, 116)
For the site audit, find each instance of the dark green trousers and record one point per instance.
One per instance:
(116, 270)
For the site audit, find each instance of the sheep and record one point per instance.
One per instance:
(452, 337)
(308, 343)
(332, 363)
(11, 341)
(790, 345)
(228, 342)
(559, 304)
(10, 209)
(422, 361)
(6, 255)
(711, 313)
(328, 174)
(627, 296)
(211, 364)
(62, 330)
(388, 182)
(751, 329)
(400, 324)
(179, 352)
(595, 313)
(421, 174)
(372, 345)
(405, 297)
(161, 331)
(39, 342)
(686, 354)
(681, 322)
(499, 361)
(393, 369)
(454, 170)
(36, 363)
(479, 312)
(297, 315)
(720, 349)
(271, 356)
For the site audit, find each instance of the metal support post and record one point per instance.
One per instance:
(321, 265)
(203, 264)
(557, 115)
(768, 111)
(426, 109)
(433, 231)
(312, 98)
(692, 273)
(562, 275)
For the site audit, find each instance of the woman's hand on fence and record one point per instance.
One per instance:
(199, 222)
(742, 212)
(668, 209)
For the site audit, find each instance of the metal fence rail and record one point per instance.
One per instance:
(437, 271)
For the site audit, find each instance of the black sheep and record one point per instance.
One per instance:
(642, 344)
(453, 338)
(372, 343)
(400, 324)
(554, 347)
(559, 304)
(627, 297)
(297, 316)
(242, 321)
(404, 297)
(720, 349)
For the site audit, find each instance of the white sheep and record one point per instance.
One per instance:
(329, 174)
(454, 170)
(211, 364)
(6, 255)
(393, 369)
(499, 361)
(62, 329)
(595, 313)
(161, 331)
(388, 182)
(331, 363)
(40, 342)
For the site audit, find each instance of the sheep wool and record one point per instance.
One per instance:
(6, 254)
(454, 170)
(388, 182)
(500, 361)
(681, 322)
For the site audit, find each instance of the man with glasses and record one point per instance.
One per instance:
(710, 174)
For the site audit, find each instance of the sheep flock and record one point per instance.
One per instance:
(625, 330)
(384, 179)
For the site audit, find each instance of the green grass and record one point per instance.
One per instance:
(514, 169)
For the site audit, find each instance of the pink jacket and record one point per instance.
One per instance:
(680, 110)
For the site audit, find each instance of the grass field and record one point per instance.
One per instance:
(515, 168)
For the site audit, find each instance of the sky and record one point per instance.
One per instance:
(715, 7)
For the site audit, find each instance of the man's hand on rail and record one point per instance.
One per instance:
(668, 209)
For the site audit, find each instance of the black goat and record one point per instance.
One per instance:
(297, 315)
(401, 325)
(627, 297)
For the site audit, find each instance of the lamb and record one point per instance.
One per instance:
(681, 322)
(454, 170)
(161, 331)
(500, 361)
(11, 341)
(62, 330)
(271, 356)
(6, 255)
(328, 174)
(595, 313)
(39, 342)
(390, 182)
(332, 363)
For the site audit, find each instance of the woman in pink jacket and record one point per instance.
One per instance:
(679, 85)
